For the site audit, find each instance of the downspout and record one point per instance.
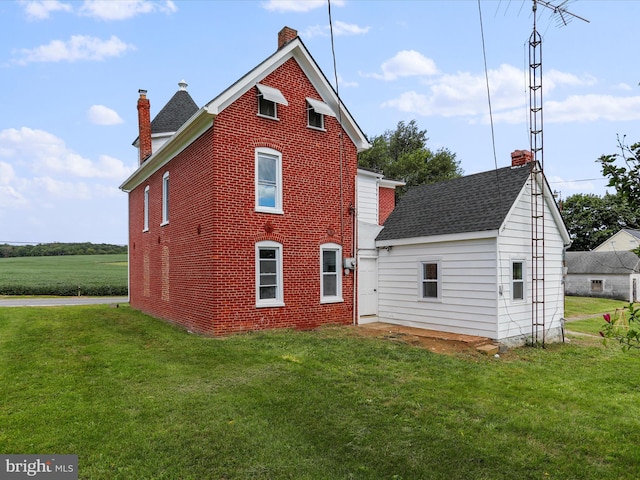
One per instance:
(354, 249)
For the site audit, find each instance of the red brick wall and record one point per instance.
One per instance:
(387, 202)
(208, 285)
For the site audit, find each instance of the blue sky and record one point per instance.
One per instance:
(70, 74)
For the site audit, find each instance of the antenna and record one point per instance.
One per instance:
(538, 327)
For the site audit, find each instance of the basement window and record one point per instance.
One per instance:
(268, 100)
(596, 286)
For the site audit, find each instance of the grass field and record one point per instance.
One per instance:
(589, 311)
(137, 398)
(64, 275)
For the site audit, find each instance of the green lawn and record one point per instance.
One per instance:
(137, 398)
(64, 275)
(589, 311)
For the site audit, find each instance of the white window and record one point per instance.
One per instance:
(269, 289)
(316, 111)
(146, 209)
(268, 180)
(165, 198)
(268, 100)
(330, 273)
(517, 280)
(430, 279)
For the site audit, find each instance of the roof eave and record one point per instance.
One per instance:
(200, 122)
(453, 237)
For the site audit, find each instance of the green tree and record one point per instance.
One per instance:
(402, 154)
(623, 171)
(591, 219)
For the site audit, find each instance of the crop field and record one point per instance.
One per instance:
(88, 275)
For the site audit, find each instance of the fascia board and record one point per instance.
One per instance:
(369, 173)
(387, 183)
(199, 123)
(454, 237)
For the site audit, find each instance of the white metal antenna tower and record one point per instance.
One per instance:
(538, 326)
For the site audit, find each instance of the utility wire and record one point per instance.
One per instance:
(486, 75)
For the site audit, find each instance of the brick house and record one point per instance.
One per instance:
(242, 213)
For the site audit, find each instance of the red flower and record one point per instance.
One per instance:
(607, 318)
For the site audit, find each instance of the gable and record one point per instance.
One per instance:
(203, 119)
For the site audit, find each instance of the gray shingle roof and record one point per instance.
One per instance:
(635, 233)
(473, 203)
(621, 263)
(175, 113)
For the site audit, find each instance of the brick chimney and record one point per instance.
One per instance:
(144, 126)
(521, 157)
(285, 36)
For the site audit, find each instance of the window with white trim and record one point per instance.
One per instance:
(429, 280)
(316, 111)
(269, 288)
(268, 180)
(517, 280)
(165, 198)
(268, 100)
(330, 273)
(145, 226)
(314, 119)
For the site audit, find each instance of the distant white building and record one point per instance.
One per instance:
(624, 240)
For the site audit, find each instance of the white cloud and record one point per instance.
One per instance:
(591, 108)
(464, 94)
(339, 29)
(40, 9)
(406, 63)
(554, 78)
(124, 9)
(298, 5)
(347, 84)
(78, 47)
(43, 152)
(101, 115)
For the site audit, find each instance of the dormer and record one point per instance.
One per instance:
(167, 122)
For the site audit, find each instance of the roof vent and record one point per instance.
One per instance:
(183, 85)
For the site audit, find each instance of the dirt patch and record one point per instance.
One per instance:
(437, 342)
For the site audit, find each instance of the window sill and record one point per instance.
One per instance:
(430, 300)
(164, 223)
(275, 211)
(268, 117)
(331, 300)
(319, 129)
(145, 230)
(274, 303)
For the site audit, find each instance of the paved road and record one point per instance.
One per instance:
(59, 301)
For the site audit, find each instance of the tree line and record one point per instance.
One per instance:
(55, 249)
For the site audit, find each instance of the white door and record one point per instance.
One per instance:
(367, 287)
